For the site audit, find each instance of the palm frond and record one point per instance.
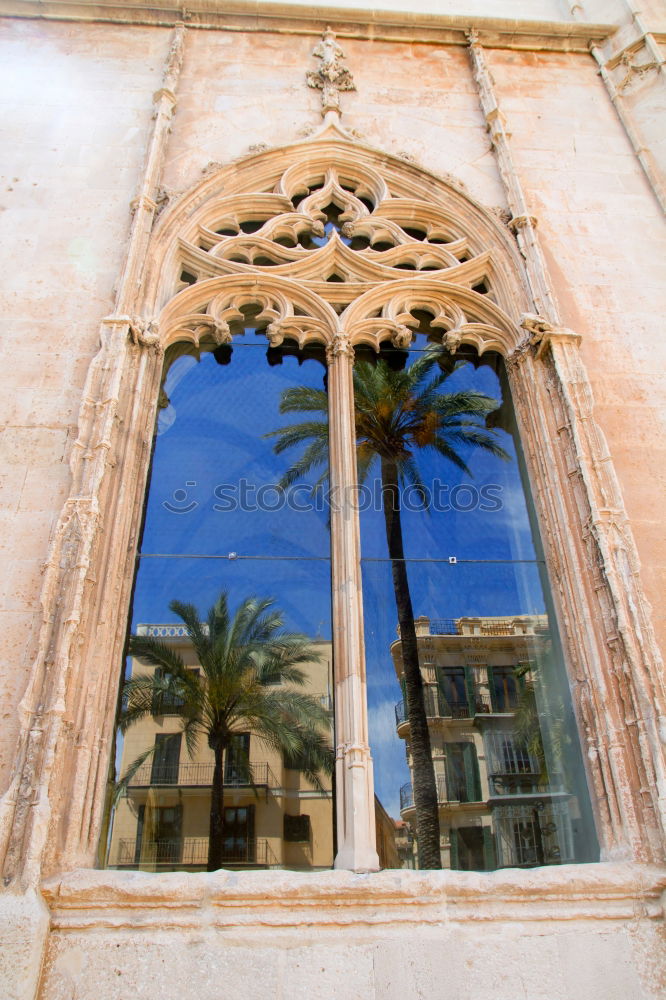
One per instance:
(190, 617)
(303, 399)
(408, 471)
(446, 450)
(314, 457)
(123, 783)
(155, 653)
(294, 434)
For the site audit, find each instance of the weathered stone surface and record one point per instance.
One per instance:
(24, 922)
(336, 934)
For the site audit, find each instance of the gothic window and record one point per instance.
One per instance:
(336, 424)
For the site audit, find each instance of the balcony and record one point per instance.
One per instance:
(256, 775)
(437, 707)
(190, 852)
(525, 784)
(446, 793)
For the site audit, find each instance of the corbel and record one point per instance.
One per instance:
(144, 333)
(541, 334)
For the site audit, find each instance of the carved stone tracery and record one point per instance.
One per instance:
(343, 228)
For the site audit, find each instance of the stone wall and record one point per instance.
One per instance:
(76, 104)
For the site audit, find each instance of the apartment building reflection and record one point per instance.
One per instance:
(497, 755)
(273, 817)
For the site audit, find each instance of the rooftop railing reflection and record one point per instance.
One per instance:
(514, 625)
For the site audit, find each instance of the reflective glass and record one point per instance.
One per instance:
(224, 753)
(476, 757)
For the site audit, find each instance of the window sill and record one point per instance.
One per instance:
(606, 891)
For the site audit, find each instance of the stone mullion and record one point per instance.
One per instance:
(356, 847)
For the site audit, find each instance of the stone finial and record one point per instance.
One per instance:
(331, 77)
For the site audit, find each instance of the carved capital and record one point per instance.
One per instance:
(558, 335)
(355, 754)
(144, 203)
(536, 326)
(634, 70)
(495, 118)
(339, 347)
(274, 334)
(221, 332)
(165, 93)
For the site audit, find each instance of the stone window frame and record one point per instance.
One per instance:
(53, 812)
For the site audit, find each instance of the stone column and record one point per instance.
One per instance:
(354, 783)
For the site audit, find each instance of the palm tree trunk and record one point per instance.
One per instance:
(216, 828)
(423, 773)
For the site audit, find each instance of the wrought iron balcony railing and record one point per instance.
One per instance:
(235, 776)
(523, 784)
(437, 707)
(454, 791)
(190, 851)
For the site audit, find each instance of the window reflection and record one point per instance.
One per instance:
(205, 786)
(500, 741)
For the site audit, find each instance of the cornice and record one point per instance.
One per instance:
(248, 15)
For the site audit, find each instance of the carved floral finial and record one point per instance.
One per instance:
(331, 77)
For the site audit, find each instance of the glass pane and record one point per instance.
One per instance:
(215, 477)
(476, 755)
(224, 756)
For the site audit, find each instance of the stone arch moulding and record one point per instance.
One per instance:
(253, 234)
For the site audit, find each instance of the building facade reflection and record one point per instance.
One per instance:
(273, 817)
(501, 776)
